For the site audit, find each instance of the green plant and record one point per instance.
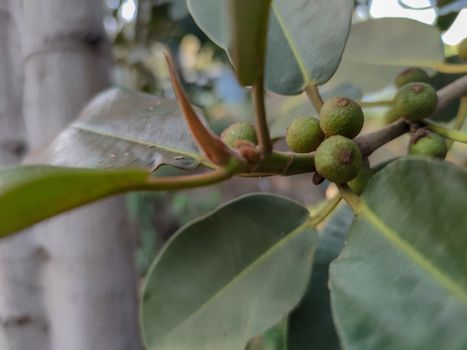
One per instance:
(234, 273)
(304, 135)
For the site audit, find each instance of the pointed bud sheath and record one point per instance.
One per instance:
(210, 144)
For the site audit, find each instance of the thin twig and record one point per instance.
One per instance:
(456, 89)
(371, 104)
(454, 135)
(315, 98)
(170, 183)
(460, 118)
(327, 208)
(262, 130)
(368, 143)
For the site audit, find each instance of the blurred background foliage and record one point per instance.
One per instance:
(139, 30)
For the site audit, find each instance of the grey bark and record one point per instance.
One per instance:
(85, 295)
(22, 315)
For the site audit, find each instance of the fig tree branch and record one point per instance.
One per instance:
(370, 142)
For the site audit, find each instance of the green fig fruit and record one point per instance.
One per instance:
(415, 101)
(430, 145)
(341, 116)
(240, 131)
(358, 184)
(411, 75)
(462, 49)
(304, 135)
(338, 159)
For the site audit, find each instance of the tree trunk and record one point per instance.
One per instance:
(22, 315)
(85, 296)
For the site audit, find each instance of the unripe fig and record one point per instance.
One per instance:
(430, 145)
(341, 116)
(462, 49)
(338, 159)
(304, 135)
(415, 101)
(358, 184)
(411, 75)
(240, 131)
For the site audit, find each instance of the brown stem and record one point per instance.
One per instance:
(262, 130)
(368, 143)
(313, 94)
(456, 89)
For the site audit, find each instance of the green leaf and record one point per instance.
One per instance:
(29, 194)
(248, 29)
(305, 38)
(310, 324)
(379, 49)
(122, 128)
(401, 280)
(229, 275)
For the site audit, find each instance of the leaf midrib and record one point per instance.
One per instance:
(97, 131)
(272, 249)
(306, 77)
(412, 253)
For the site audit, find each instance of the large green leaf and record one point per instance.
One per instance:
(305, 39)
(29, 194)
(310, 324)
(378, 49)
(248, 29)
(229, 276)
(401, 280)
(124, 128)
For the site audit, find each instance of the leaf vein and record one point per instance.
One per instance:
(412, 253)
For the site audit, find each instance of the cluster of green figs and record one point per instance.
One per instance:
(337, 157)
